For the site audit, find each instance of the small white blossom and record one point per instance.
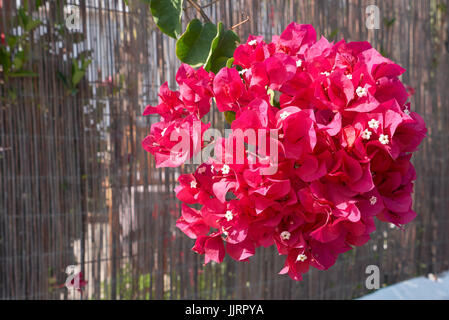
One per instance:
(302, 257)
(252, 42)
(366, 134)
(349, 76)
(284, 115)
(373, 200)
(225, 169)
(193, 184)
(383, 138)
(229, 216)
(285, 235)
(373, 124)
(299, 63)
(361, 92)
(242, 72)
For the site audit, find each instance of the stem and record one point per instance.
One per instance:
(209, 4)
(240, 23)
(198, 8)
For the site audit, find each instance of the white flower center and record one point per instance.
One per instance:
(225, 169)
(373, 124)
(284, 115)
(361, 92)
(285, 235)
(383, 138)
(373, 200)
(229, 216)
(299, 63)
(366, 134)
(242, 72)
(302, 257)
(252, 42)
(407, 112)
(349, 76)
(193, 184)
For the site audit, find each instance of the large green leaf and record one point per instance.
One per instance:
(222, 48)
(167, 16)
(194, 46)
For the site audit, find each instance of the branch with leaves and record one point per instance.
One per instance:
(202, 43)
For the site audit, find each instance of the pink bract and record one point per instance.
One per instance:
(345, 133)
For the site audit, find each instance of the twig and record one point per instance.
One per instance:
(209, 4)
(198, 8)
(240, 23)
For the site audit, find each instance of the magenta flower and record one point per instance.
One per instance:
(337, 116)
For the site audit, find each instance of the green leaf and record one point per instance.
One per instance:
(230, 62)
(389, 22)
(77, 72)
(12, 41)
(32, 24)
(5, 60)
(274, 98)
(63, 78)
(167, 16)
(23, 17)
(222, 48)
(86, 64)
(19, 59)
(194, 46)
(23, 73)
(229, 116)
(77, 76)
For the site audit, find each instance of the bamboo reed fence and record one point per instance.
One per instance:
(76, 188)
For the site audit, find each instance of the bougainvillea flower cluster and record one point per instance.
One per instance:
(345, 136)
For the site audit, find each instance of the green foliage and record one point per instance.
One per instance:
(334, 33)
(167, 16)
(26, 21)
(14, 55)
(194, 46)
(201, 44)
(229, 116)
(127, 287)
(207, 45)
(389, 22)
(78, 71)
(230, 62)
(274, 98)
(222, 49)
